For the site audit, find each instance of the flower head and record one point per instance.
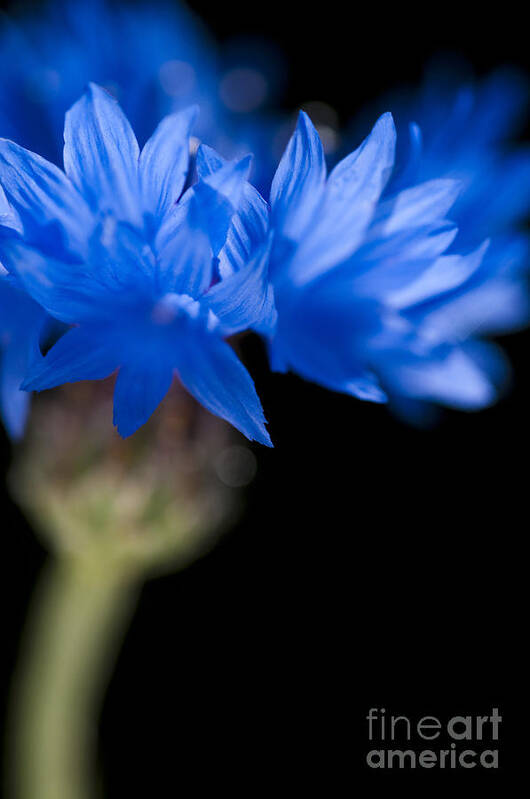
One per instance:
(371, 300)
(115, 247)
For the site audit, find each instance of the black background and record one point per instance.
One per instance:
(376, 565)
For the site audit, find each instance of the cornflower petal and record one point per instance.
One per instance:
(43, 196)
(139, 390)
(349, 203)
(219, 195)
(101, 155)
(83, 353)
(185, 264)
(164, 162)
(447, 273)
(245, 299)
(14, 403)
(418, 206)
(65, 289)
(249, 224)
(298, 185)
(211, 372)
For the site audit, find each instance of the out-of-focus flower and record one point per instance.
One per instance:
(369, 300)
(115, 248)
(458, 127)
(462, 129)
(154, 57)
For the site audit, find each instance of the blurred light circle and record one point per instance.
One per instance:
(322, 113)
(236, 466)
(243, 89)
(326, 121)
(329, 138)
(177, 78)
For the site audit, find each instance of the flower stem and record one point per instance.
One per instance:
(79, 615)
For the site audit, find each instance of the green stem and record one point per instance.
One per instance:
(79, 616)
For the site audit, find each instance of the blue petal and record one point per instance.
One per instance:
(43, 197)
(245, 299)
(101, 154)
(386, 266)
(172, 221)
(381, 255)
(298, 184)
(164, 162)
(15, 360)
(278, 359)
(120, 259)
(208, 161)
(268, 318)
(494, 308)
(210, 370)
(324, 333)
(139, 390)
(83, 353)
(446, 274)
(14, 403)
(350, 200)
(356, 173)
(21, 324)
(365, 388)
(418, 206)
(408, 172)
(249, 224)
(63, 289)
(9, 218)
(494, 301)
(247, 232)
(219, 195)
(185, 261)
(458, 380)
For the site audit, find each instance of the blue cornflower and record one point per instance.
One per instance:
(117, 249)
(369, 300)
(464, 129)
(154, 57)
(467, 131)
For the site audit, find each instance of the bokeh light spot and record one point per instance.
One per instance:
(236, 466)
(243, 89)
